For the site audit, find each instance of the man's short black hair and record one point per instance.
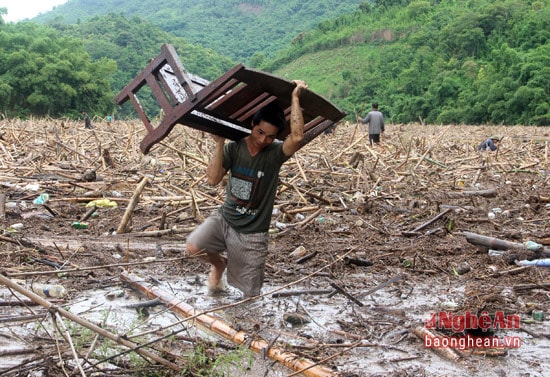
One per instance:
(272, 114)
(375, 105)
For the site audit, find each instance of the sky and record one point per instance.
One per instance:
(21, 9)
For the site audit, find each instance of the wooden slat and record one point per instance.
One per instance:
(156, 88)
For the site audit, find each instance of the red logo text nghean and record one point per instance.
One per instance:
(469, 321)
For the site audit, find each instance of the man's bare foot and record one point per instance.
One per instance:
(215, 282)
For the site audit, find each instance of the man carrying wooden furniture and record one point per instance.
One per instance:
(239, 229)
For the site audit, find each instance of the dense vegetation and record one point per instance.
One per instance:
(43, 73)
(237, 29)
(444, 61)
(438, 61)
(132, 43)
(61, 70)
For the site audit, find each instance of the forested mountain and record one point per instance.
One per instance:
(43, 73)
(61, 70)
(133, 42)
(235, 28)
(437, 61)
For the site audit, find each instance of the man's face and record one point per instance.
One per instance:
(263, 134)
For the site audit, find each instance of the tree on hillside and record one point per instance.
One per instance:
(437, 61)
(43, 74)
(132, 43)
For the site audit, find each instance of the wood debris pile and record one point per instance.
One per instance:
(381, 235)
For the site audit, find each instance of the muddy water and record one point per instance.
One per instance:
(386, 315)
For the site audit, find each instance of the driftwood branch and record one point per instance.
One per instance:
(67, 336)
(345, 293)
(488, 193)
(431, 221)
(380, 286)
(131, 206)
(102, 267)
(302, 292)
(447, 353)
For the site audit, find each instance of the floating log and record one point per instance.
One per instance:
(220, 327)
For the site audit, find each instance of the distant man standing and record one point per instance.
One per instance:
(87, 120)
(375, 119)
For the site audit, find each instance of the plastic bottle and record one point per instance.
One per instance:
(49, 290)
(536, 262)
(533, 246)
(79, 225)
(42, 199)
(299, 252)
(280, 225)
(538, 315)
(496, 253)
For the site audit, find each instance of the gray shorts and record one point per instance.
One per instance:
(246, 253)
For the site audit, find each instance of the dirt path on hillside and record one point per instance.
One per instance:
(367, 245)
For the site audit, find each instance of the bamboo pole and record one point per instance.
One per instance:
(222, 328)
(90, 268)
(440, 215)
(448, 353)
(115, 338)
(495, 243)
(131, 206)
(59, 321)
(433, 144)
(2, 206)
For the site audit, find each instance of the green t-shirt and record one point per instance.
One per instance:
(252, 185)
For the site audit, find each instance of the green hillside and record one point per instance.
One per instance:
(133, 42)
(438, 61)
(237, 29)
(443, 62)
(60, 70)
